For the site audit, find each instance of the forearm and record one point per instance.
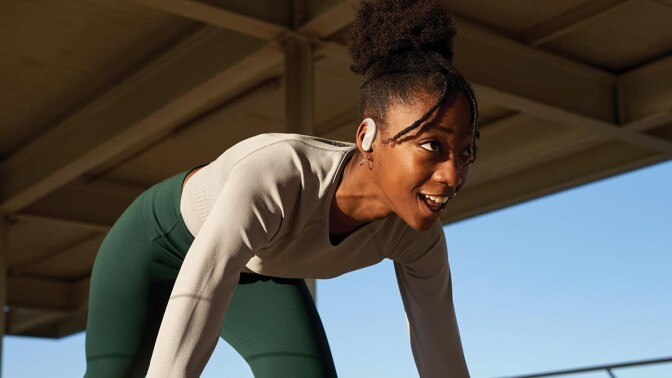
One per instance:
(435, 338)
(187, 337)
(190, 327)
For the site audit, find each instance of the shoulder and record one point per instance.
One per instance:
(287, 157)
(273, 142)
(286, 150)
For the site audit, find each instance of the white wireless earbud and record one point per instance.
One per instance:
(370, 134)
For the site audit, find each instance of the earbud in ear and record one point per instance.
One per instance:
(370, 134)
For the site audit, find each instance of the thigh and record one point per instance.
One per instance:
(130, 286)
(274, 325)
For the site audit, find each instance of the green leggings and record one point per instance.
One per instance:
(271, 322)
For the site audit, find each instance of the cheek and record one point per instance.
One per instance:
(399, 172)
(465, 174)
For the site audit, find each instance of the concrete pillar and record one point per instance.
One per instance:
(3, 281)
(312, 287)
(300, 95)
(299, 85)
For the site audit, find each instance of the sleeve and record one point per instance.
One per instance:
(245, 216)
(426, 290)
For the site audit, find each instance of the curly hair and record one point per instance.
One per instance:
(403, 48)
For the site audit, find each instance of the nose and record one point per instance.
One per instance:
(450, 173)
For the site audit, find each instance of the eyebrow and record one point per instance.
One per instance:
(446, 129)
(425, 127)
(431, 125)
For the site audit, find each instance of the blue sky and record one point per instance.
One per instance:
(575, 279)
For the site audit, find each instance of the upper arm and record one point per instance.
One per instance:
(422, 270)
(245, 216)
(423, 254)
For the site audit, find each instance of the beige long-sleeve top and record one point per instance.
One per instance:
(263, 206)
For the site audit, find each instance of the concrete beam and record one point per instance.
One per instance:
(645, 95)
(492, 60)
(556, 114)
(499, 63)
(597, 89)
(576, 169)
(42, 294)
(87, 243)
(539, 142)
(99, 203)
(260, 21)
(20, 322)
(325, 23)
(28, 314)
(571, 20)
(146, 106)
(63, 222)
(650, 122)
(535, 83)
(337, 123)
(641, 96)
(269, 20)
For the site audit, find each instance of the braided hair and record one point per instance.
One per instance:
(403, 48)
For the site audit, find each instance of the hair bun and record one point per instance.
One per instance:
(384, 28)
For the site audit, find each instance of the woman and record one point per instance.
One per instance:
(220, 250)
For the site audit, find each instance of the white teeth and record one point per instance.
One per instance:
(437, 199)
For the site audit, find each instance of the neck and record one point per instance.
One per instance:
(357, 200)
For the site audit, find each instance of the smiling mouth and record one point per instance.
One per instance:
(436, 204)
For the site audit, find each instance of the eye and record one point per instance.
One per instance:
(432, 145)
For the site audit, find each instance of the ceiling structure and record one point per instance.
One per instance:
(100, 99)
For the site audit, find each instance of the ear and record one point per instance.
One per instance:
(366, 134)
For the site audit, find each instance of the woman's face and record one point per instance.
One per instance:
(428, 166)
